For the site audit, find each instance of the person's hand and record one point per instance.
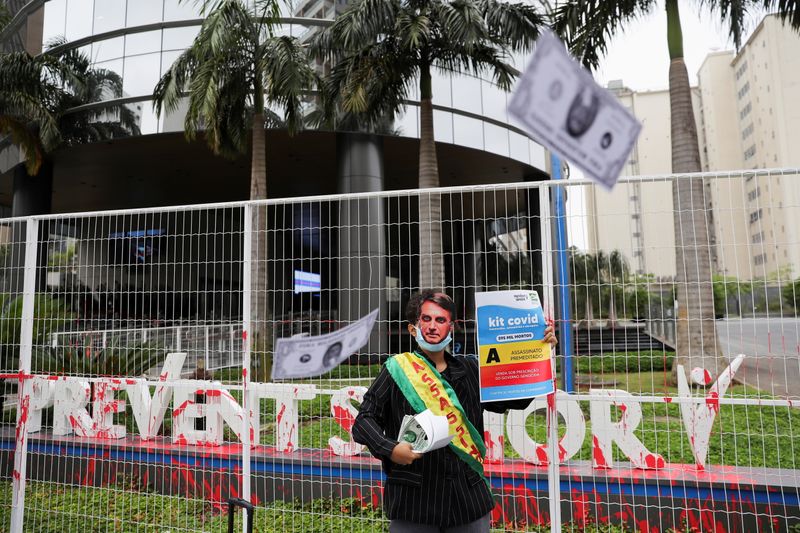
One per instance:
(403, 454)
(550, 335)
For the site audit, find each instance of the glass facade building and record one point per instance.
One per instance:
(140, 39)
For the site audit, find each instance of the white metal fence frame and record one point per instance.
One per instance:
(543, 189)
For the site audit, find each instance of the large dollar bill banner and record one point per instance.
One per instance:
(514, 359)
(305, 357)
(564, 109)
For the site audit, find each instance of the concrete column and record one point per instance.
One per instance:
(362, 246)
(32, 195)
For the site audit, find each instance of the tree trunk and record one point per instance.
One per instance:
(261, 339)
(431, 252)
(612, 309)
(697, 344)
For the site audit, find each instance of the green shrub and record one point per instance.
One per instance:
(630, 362)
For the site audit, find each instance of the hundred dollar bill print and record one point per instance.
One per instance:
(564, 109)
(305, 357)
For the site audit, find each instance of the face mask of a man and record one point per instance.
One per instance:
(425, 345)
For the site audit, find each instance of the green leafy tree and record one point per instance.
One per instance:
(116, 359)
(588, 25)
(381, 48)
(50, 315)
(791, 294)
(233, 70)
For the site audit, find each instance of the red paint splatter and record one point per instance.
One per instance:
(181, 408)
(541, 454)
(667, 399)
(244, 335)
(343, 418)
(562, 452)
(712, 400)
(597, 454)
(654, 461)
(580, 505)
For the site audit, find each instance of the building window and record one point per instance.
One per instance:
(748, 131)
(755, 216)
(760, 259)
(755, 193)
(741, 70)
(745, 111)
(750, 152)
(743, 91)
(757, 238)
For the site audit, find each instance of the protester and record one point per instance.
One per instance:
(443, 490)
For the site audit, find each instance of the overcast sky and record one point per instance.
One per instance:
(639, 57)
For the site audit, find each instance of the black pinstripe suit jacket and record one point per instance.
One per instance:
(438, 489)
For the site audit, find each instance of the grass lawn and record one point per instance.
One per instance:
(54, 508)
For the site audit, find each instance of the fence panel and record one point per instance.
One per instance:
(712, 449)
(152, 337)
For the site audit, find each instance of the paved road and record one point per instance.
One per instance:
(772, 346)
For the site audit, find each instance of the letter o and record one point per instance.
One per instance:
(535, 453)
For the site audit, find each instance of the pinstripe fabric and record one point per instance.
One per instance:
(438, 489)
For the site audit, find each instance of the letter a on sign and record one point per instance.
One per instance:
(493, 357)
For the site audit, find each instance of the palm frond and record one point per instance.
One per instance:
(787, 11)
(461, 22)
(587, 26)
(289, 76)
(24, 138)
(359, 25)
(734, 12)
(514, 24)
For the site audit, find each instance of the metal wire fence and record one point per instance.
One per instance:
(136, 354)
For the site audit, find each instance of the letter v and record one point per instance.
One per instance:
(698, 418)
(149, 412)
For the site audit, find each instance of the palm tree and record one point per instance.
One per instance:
(612, 271)
(584, 274)
(233, 69)
(94, 88)
(587, 26)
(39, 97)
(28, 90)
(380, 48)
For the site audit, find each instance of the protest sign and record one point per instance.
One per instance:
(514, 359)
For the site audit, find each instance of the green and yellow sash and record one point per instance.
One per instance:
(424, 388)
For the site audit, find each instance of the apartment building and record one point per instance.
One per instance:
(748, 117)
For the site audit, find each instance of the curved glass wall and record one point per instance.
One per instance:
(139, 40)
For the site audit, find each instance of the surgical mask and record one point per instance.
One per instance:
(438, 347)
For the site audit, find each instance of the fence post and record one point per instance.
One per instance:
(553, 481)
(247, 248)
(562, 278)
(25, 382)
